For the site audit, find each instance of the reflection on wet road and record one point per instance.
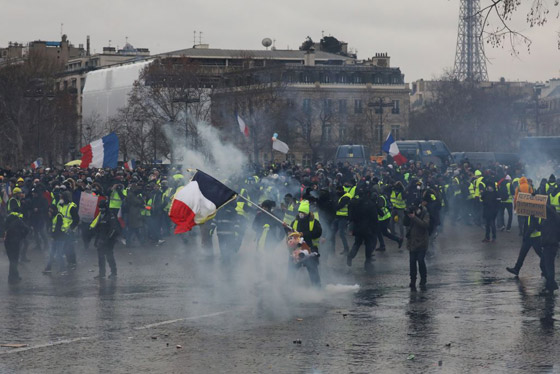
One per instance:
(246, 318)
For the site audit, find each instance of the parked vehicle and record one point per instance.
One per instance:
(354, 154)
(426, 151)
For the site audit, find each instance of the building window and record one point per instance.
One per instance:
(342, 132)
(306, 160)
(290, 103)
(291, 158)
(325, 78)
(357, 106)
(396, 131)
(357, 79)
(306, 105)
(343, 78)
(396, 107)
(327, 106)
(342, 106)
(327, 133)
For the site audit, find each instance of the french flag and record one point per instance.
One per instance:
(198, 201)
(36, 164)
(102, 153)
(390, 146)
(130, 165)
(243, 126)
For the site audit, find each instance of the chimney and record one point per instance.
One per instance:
(309, 57)
(87, 46)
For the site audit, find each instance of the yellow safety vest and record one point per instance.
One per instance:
(262, 239)
(343, 212)
(477, 186)
(115, 201)
(147, 212)
(555, 201)
(397, 200)
(54, 220)
(240, 206)
(290, 214)
(386, 213)
(311, 226)
(510, 196)
(534, 234)
(64, 210)
(11, 212)
(94, 223)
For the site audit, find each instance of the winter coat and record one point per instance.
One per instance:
(550, 228)
(417, 234)
(135, 206)
(15, 230)
(490, 203)
(523, 187)
(107, 229)
(303, 226)
(362, 213)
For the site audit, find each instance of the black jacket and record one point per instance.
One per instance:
(362, 213)
(15, 229)
(550, 228)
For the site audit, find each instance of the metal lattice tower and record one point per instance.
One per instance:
(470, 64)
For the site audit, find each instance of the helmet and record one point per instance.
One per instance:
(16, 190)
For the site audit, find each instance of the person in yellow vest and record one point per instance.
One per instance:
(117, 196)
(289, 208)
(383, 217)
(106, 229)
(505, 192)
(267, 229)
(531, 239)
(167, 198)
(340, 223)
(310, 229)
(56, 255)
(15, 232)
(399, 205)
(70, 221)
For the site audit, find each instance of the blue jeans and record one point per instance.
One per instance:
(340, 224)
(57, 255)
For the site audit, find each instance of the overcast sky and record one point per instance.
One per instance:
(419, 35)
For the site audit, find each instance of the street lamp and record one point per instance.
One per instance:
(379, 104)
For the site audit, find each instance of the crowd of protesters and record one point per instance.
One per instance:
(325, 203)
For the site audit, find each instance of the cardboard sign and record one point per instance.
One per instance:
(88, 206)
(529, 205)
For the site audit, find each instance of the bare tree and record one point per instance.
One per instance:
(36, 120)
(498, 16)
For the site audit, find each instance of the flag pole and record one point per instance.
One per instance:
(264, 210)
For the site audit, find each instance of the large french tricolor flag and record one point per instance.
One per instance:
(102, 153)
(390, 146)
(198, 201)
(36, 164)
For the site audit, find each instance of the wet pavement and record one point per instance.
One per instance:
(246, 318)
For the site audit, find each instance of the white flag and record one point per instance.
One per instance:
(243, 126)
(280, 146)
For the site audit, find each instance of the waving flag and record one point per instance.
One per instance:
(243, 126)
(36, 164)
(390, 146)
(279, 145)
(198, 201)
(130, 165)
(102, 153)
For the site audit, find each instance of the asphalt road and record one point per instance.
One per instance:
(246, 317)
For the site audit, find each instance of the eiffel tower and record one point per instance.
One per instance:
(470, 64)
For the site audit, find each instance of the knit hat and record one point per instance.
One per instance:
(16, 190)
(304, 207)
(478, 173)
(508, 178)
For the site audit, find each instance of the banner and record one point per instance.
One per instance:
(88, 207)
(529, 205)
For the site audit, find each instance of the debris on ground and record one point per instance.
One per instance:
(440, 362)
(297, 341)
(179, 346)
(154, 337)
(299, 319)
(411, 357)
